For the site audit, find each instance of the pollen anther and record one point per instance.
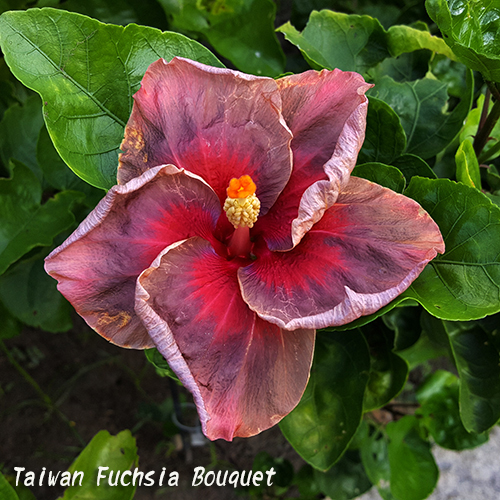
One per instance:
(242, 212)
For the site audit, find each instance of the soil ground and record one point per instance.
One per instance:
(95, 386)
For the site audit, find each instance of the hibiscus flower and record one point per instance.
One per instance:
(235, 231)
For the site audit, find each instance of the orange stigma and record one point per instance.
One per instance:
(242, 206)
(241, 188)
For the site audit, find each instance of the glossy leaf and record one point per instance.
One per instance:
(31, 296)
(388, 371)
(421, 106)
(411, 165)
(345, 480)
(324, 422)
(385, 175)
(25, 223)
(467, 165)
(439, 412)
(462, 284)
(86, 73)
(335, 40)
(472, 29)
(477, 360)
(240, 30)
(414, 472)
(119, 453)
(385, 138)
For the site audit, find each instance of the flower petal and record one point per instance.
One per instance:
(245, 374)
(365, 251)
(326, 112)
(214, 122)
(97, 266)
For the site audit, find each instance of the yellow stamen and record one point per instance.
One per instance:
(242, 206)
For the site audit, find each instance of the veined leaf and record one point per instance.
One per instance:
(87, 73)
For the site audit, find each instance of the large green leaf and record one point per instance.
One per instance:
(472, 29)
(240, 30)
(9, 326)
(86, 73)
(375, 458)
(422, 107)
(119, 453)
(345, 480)
(31, 296)
(24, 222)
(324, 422)
(385, 138)
(463, 283)
(356, 43)
(414, 472)
(411, 165)
(477, 357)
(439, 412)
(388, 371)
(385, 175)
(405, 321)
(335, 40)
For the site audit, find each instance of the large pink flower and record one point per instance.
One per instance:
(233, 306)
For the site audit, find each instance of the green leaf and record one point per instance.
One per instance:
(439, 412)
(405, 321)
(345, 480)
(385, 175)
(6, 490)
(356, 43)
(86, 73)
(472, 29)
(19, 131)
(31, 296)
(411, 165)
(335, 40)
(123, 12)
(374, 456)
(328, 415)
(414, 472)
(385, 138)
(421, 105)
(462, 284)
(119, 453)
(57, 173)
(403, 39)
(467, 165)
(24, 222)
(388, 372)
(240, 30)
(471, 128)
(160, 363)
(478, 362)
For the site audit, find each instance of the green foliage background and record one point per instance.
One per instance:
(432, 134)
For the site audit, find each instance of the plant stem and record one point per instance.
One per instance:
(44, 397)
(484, 132)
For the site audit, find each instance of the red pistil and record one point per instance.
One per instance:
(240, 244)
